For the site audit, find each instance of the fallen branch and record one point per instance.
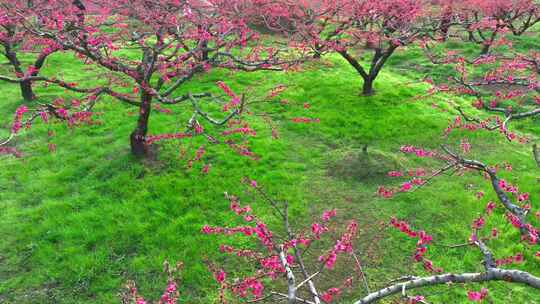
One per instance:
(494, 274)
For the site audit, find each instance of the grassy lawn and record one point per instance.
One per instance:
(77, 223)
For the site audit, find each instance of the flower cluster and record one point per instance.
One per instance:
(235, 100)
(305, 120)
(419, 152)
(407, 186)
(477, 296)
(10, 150)
(418, 172)
(158, 108)
(17, 121)
(241, 150)
(329, 295)
(276, 91)
(246, 130)
(424, 240)
(509, 188)
(170, 295)
(150, 139)
(342, 245)
(518, 258)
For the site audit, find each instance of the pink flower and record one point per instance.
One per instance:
(479, 194)
(256, 288)
(206, 229)
(318, 229)
(476, 296)
(523, 197)
(17, 124)
(395, 174)
(44, 116)
(305, 120)
(290, 259)
(328, 296)
(62, 112)
(329, 261)
(327, 215)
(383, 192)
(489, 207)
(264, 235)
(199, 154)
(478, 223)
(51, 147)
(405, 187)
(416, 299)
(253, 183)
(198, 128)
(514, 220)
(220, 276)
(171, 287)
(21, 110)
(16, 127)
(424, 238)
(428, 265)
(417, 181)
(225, 89)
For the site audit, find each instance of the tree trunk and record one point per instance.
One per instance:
(317, 52)
(446, 23)
(26, 90)
(536, 154)
(367, 88)
(138, 136)
(204, 46)
(485, 49)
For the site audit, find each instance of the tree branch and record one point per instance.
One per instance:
(494, 274)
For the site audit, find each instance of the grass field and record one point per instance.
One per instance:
(77, 223)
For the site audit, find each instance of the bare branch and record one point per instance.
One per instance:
(291, 281)
(494, 274)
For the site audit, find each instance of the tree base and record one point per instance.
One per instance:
(138, 145)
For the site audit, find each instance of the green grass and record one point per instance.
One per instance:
(77, 223)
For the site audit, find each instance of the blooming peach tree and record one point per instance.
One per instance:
(354, 29)
(168, 41)
(16, 42)
(487, 22)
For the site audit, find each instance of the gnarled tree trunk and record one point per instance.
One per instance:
(11, 56)
(138, 136)
(367, 87)
(26, 90)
